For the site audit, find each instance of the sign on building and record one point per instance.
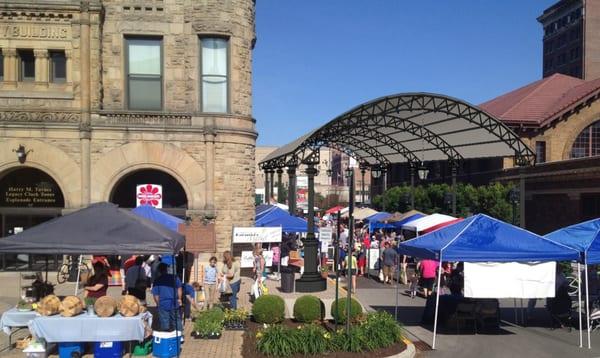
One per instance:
(302, 182)
(149, 194)
(253, 235)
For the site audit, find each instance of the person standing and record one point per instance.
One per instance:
(428, 269)
(136, 280)
(211, 278)
(231, 272)
(97, 284)
(389, 257)
(352, 269)
(167, 291)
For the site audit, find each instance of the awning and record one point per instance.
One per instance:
(276, 216)
(439, 226)
(584, 237)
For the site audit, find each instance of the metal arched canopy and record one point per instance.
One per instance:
(408, 127)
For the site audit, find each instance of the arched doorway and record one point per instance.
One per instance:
(174, 198)
(28, 197)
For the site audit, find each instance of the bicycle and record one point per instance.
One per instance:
(63, 272)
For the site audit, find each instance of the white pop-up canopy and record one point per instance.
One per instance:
(427, 222)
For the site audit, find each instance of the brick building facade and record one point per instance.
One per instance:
(100, 95)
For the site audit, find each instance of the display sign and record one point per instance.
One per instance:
(325, 234)
(200, 236)
(247, 259)
(373, 257)
(302, 182)
(253, 235)
(149, 194)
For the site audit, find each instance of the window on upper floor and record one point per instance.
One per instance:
(144, 73)
(58, 66)
(26, 65)
(214, 75)
(540, 152)
(587, 143)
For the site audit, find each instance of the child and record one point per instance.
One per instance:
(210, 283)
(190, 299)
(414, 281)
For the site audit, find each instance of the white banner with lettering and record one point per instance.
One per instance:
(251, 235)
(509, 279)
(247, 259)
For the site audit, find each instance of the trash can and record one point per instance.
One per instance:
(287, 280)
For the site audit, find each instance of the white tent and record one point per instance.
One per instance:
(426, 222)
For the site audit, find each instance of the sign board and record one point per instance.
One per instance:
(302, 182)
(326, 234)
(149, 194)
(251, 235)
(200, 237)
(247, 259)
(373, 257)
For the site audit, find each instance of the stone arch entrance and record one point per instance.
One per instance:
(173, 197)
(28, 197)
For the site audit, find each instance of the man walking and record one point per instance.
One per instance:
(388, 257)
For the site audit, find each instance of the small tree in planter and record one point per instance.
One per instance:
(308, 309)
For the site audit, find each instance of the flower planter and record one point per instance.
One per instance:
(235, 326)
(325, 274)
(213, 335)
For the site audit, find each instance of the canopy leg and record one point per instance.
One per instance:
(78, 275)
(579, 298)
(397, 286)
(587, 306)
(437, 302)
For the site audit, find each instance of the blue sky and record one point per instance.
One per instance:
(316, 59)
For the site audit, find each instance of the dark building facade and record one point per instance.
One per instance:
(572, 39)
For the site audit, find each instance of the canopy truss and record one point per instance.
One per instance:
(408, 127)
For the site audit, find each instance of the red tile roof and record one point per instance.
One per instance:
(541, 102)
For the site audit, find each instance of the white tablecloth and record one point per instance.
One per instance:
(88, 328)
(15, 318)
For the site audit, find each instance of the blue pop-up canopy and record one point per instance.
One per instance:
(376, 218)
(149, 212)
(481, 238)
(583, 237)
(276, 216)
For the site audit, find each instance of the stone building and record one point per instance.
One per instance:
(97, 97)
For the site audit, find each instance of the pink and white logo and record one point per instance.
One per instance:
(149, 194)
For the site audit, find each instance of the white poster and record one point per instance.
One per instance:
(256, 234)
(247, 259)
(373, 257)
(510, 280)
(325, 234)
(149, 194)
(301, 182)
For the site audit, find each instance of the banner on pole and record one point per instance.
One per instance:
(251, 235)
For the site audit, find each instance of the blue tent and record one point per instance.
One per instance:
(149, 212)
(279, 217)
(376, 218)
(396, 225)
(481, 238)
(583, 237)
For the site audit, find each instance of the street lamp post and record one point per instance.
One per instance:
(291, 172)
(350, 176)
(513, 196)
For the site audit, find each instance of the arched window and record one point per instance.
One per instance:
(587, 143)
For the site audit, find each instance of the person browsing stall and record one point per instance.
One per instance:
(168, 293)
(97, 284)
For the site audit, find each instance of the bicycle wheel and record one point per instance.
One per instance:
(572, 289)
(62, 274)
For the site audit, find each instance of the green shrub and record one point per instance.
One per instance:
(338, 310)
(382, 330)
(277, 341)
(308, 309)
(354, 341)
(268, 309)
(313, 339)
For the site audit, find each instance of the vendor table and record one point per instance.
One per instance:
(13, 318)
(91, 328)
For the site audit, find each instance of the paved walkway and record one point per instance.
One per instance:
(511, 341)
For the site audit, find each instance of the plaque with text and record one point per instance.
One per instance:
(200, 237)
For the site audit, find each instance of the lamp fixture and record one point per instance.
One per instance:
(514, 195)
(329, 172)
(376, 172)
(349, 172)
(423, 171)
(22, 153)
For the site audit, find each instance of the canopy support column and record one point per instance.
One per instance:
(437, 302)
(587, 306)
(384, 176)
(291, 171)
(522, 197)
(280, 198)
(579, 300)
(267, 187)
(271, 184)
(412, 186)
(454, 169)
(349, 274)
(311, 280)
(362, 189)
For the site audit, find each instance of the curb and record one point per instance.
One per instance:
(409, 352)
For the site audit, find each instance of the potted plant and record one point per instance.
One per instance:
(24, 306)
(235, 319)
(89, 303)
(324, 271)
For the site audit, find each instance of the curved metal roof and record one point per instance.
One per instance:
(408, 127)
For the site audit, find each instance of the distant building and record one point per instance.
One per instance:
(572, 39)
